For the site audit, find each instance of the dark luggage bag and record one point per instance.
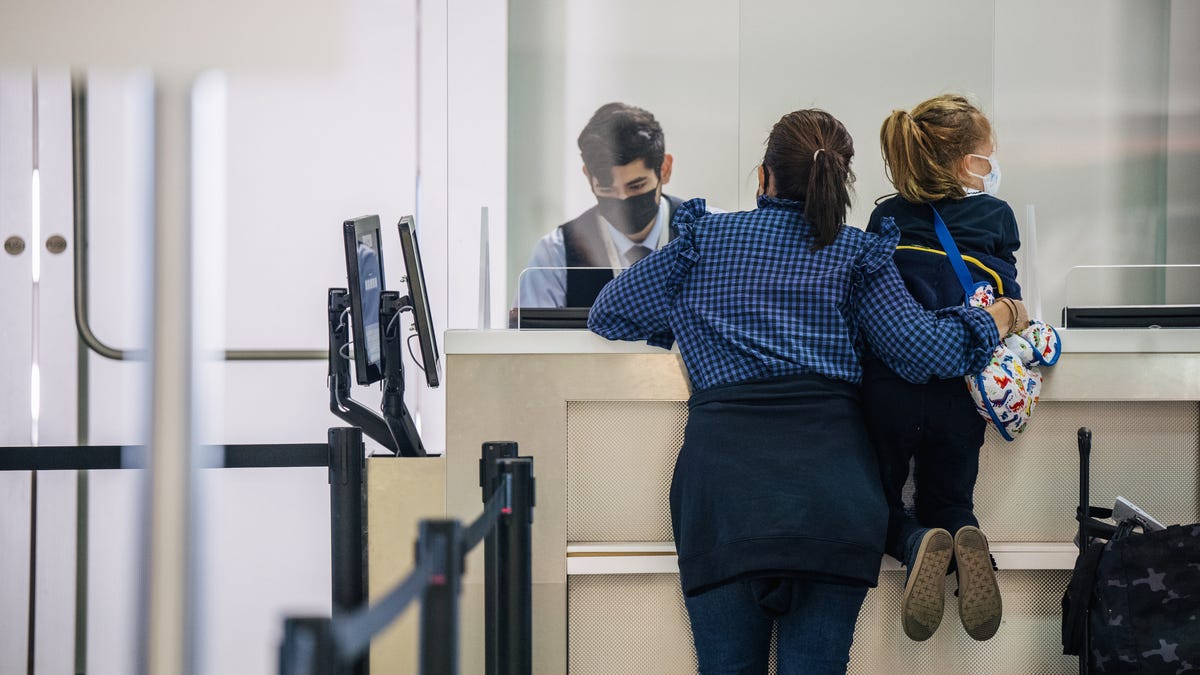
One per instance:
(1133, 602)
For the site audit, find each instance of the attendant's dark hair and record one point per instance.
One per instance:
(618, 134)
(808, 159)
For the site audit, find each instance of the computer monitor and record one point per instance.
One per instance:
(364, 272)
(415, 275)
(556, 318)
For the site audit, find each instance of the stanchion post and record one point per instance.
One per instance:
(441, 539)
(347, 520)
(515, 614)
(488, 480)
(307, 647)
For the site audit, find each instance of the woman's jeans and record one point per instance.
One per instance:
(733, 633)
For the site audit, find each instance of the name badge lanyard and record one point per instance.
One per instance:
(614, 258)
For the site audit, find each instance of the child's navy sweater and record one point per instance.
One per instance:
(985, 231)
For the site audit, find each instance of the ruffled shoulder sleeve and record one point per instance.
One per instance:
(878, 247)
(639, 303)
(687, 214)
(684, 245)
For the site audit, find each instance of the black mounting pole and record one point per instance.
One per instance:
(489, 474)
(1085, 469)
(441, 539)
(307, 647)
(514, 613)
(340, 403)
(395, 414)
(348, 524)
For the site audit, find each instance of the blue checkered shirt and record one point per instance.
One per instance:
(748, 298)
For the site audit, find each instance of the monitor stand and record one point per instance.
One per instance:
(394, 430)
(395, 412)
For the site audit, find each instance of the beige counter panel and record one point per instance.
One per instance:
(523, 398)
(1123, 377)
(401, 492)
(570, 395)
(1096, 365)
(1075, 341)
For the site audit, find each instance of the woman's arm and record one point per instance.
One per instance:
(637, 304)
(918, 344)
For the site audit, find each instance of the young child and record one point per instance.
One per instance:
(940, 156)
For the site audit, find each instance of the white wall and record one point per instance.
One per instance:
(39, 366)
(476, 148)
(16, 337)
(120, 179)
(305, 151)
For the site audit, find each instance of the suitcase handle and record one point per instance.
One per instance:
(1083, 515)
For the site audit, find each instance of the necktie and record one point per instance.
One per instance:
(636, 253)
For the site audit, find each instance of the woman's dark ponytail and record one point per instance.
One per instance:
(827, 198)
(808, 156)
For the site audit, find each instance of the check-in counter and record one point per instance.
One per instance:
(604, 422)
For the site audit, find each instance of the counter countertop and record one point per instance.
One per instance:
(1078, 340)
(1097, 364)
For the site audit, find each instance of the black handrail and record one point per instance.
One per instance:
(88, 457)
(79, 136)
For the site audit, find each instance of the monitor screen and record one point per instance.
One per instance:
(419, 297)
(364, 276)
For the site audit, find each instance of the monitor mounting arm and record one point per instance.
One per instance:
(394, 429)
(395, 412)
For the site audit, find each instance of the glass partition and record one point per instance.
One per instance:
(676, 59)
(542, 301)
(859, 66)
(1115, 285)
(1097, 119)
(1094, 110)
(1132, 296)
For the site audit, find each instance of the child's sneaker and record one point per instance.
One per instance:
(925, 591)
(979, 604)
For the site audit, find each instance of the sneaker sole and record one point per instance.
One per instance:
(925, 592)
(979, 604)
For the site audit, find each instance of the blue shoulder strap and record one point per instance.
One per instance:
(956, 260)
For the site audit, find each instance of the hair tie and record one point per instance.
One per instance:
(819, 151)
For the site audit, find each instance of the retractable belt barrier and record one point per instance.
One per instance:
(337, 646)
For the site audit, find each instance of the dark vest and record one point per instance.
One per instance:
(585, 248)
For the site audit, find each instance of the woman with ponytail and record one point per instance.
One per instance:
(940, 156)
(776, 505)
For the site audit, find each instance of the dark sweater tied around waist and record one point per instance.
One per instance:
(777, 479)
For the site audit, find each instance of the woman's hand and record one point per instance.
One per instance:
(1010, 316)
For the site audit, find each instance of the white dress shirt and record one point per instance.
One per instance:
(543, 282)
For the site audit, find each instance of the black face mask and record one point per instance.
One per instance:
(630, 215)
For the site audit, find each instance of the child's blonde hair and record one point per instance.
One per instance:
(922, 150)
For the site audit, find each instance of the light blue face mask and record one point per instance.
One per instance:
(991, 182)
